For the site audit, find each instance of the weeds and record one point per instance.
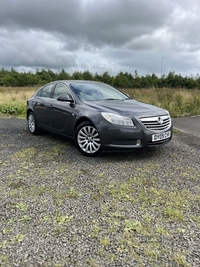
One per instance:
(13, 100)
(179, 102)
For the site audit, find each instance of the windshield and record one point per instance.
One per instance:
(97, 91)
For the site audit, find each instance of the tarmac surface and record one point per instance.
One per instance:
(189, 125)
(189, 128)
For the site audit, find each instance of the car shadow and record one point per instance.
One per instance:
(138, 153)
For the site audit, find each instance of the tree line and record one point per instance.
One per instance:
(121, 80)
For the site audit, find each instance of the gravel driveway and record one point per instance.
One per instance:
(59, 208)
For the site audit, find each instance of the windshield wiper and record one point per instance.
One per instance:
(111, 99)
(117, 99)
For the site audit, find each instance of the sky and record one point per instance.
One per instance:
(150, 36)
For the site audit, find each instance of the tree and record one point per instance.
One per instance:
(63, 75)
(87, 75)
(106, 78)
(77, 75)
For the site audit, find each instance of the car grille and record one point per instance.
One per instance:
(159, 123)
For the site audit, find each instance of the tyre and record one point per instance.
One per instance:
(87, 139)
(32, 124)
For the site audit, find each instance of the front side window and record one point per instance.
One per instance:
(60, 89)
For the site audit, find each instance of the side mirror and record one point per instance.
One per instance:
(64, 98)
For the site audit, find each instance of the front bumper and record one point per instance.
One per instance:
(114, 137)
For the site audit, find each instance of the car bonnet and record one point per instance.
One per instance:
(128, 107)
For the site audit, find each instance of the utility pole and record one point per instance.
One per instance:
(161, 67)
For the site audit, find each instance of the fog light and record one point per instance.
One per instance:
(138, 142)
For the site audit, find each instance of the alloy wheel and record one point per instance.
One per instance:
(31, 123)
(88, 139)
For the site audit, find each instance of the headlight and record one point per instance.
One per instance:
(117, 119)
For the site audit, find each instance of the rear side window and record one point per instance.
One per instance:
(45, 91)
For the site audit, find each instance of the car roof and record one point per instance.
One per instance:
(76, 81)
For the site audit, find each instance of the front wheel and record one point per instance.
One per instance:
(88, 140)
(32, 124)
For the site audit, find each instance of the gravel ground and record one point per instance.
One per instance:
(59, 208)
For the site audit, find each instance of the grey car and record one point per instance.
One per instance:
(97, 116)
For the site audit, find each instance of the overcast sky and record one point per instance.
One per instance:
(150, 36)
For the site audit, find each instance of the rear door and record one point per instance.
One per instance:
(42, 106)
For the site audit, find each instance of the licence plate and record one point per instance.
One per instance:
(161, 136)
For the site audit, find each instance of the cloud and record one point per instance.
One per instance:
(104, 35)
(33, 49)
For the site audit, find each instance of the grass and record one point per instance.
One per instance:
(13, 100)
(179, 102)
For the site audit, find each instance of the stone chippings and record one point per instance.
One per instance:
(59, 208)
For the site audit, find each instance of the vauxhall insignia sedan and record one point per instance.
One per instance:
(97, 117)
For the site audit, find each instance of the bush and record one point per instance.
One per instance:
(13, 109)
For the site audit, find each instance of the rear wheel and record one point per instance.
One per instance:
(32, 124)
(87, 139)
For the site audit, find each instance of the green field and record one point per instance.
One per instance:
(179, 102)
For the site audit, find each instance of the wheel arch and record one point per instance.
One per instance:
(28, 111)
(81, 120)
